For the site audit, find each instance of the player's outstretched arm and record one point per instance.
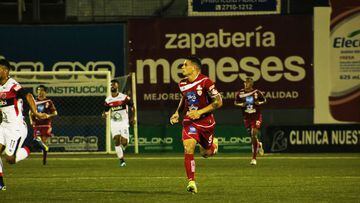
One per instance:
(175, 117)
(241, 104)
(262, 99)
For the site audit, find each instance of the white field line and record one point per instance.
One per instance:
(181, 158)
(164, 177)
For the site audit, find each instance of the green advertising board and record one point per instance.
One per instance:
(160, 139)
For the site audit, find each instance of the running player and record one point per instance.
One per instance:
(42, 128)
(250, 99)
(119, 103)
(199, 99)
(13, 129)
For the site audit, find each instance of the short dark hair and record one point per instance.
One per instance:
(195, 60)
(5, 63)
(42, 86)
(250, 79)
(115, 81)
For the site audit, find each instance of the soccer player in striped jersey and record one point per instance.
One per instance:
(249, 100)
(13, 129)
(119, 104)
(199, 99)
(42, 127)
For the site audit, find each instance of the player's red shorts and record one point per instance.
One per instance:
(42, 131)
(253, 122)
(204, 136)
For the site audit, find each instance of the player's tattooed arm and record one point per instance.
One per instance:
(175, 117)
(215, 104)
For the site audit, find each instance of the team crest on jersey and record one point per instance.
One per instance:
(3, 102)
(192, 130)
(3, 95)
(199, 90)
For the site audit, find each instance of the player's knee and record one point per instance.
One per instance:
(124, 142)
(188, 150)
(10, 159)
(117, 141)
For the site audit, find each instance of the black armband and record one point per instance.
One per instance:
(130, 103)
(106, 108)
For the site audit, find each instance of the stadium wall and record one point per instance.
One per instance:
(288, 54)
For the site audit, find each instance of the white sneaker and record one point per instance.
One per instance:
(253, 162)
(260, 149)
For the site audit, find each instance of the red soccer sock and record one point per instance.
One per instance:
(190, 166)
(255, 147)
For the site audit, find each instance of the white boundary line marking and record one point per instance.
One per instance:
(181, 158)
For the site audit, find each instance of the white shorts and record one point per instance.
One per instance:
(12, 137)
(119, 129)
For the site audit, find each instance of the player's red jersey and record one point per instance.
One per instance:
(197, 95)
(250, 110)
(43, 106)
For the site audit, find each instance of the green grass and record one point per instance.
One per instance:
(161, 178)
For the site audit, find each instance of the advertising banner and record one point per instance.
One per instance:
(276, 51)
(155, 139)
(64, 48)
(344, 98)
(233, 7)
(316, 138)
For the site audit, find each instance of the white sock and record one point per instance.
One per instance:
(119, 152)
(21, 154)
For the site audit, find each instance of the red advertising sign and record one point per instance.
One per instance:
(276, 51)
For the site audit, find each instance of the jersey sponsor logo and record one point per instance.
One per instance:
(192, 98)
(40, 108)
(118, 108)
(249, 100)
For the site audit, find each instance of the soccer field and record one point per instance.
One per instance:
(161, 178)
